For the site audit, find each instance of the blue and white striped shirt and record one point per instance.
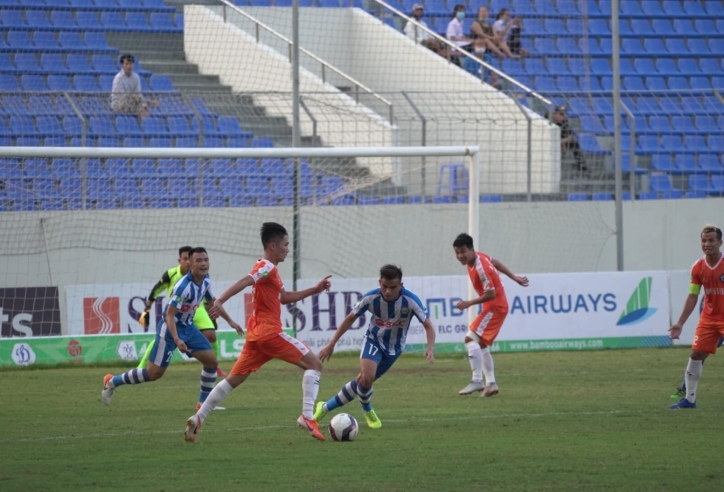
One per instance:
(187, 296)
(390, 320)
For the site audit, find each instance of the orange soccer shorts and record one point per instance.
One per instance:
(488, 323)
(706, 337)
(258, 352)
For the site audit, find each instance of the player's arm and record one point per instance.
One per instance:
(505, 270)
(160, 286)
(295, 296)
(225, 316)
(487, 296)
(689, 306)
(171, 324)
(240, 285)
(346, 324)
(430, 334)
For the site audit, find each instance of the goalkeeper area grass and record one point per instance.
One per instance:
(563, 421)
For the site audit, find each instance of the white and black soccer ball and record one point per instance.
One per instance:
(343, 427)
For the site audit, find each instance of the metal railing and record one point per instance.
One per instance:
(258, 25)
(451, 45)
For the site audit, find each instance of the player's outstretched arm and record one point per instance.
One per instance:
(225, 316)
(487, 296)
(171, 324)
(430, 333)
(240, 285)
(294, 296)
(515, 278)
(328, 350)
(689, 306)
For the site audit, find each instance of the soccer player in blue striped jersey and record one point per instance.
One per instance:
(177, 330)
(392, 308)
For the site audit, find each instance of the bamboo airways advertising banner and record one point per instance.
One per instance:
(574, 311)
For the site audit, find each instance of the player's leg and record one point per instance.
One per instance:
(369, 373)
(490, 333)
(200, 348)
(475, 353)
(159, 359)
(250, 360)
(681, 390)
(146, 354)
(348, 393)
(207, 326)
(706, 338)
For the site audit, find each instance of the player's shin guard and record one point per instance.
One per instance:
(208, 378)
(475, 357)
(693, 373)
(216, 396)
(310, 389)
(365, 397)
(345, 395)
(134, 376)
(488, 366)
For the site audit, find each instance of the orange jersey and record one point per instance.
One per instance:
(484, 277)
(265, 320)
(712, 279)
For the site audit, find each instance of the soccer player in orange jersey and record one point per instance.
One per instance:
(708, 271)
(265, 339)
(483, 272)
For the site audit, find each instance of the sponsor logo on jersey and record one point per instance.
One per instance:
(390, 324)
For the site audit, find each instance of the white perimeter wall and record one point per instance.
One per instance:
(224, 49)
(136, 246)
(386, 61)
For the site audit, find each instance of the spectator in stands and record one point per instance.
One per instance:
(503, 24)
(569, 142)
(415, 33)
(126, 95)
(455, 33)
(514, 41)
(483, 35)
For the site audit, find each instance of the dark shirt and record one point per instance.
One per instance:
(565, 129)
(485, 26)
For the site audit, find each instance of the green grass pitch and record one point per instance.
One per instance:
(563, 421)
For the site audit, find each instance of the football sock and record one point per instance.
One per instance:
(215, 346)
(475, 357)
(310, 388)
(144, 360)
(488, 366)
(683, 381)
(345, 395)
(365, 397)
(134, 376)
(208, 378)
(216, 396)
(693, 373)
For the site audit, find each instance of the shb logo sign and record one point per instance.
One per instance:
(23, 355)
(637, 308)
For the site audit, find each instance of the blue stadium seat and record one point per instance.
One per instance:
(577, 66)
(568, 46)
(129, 3)
(716, 143)
(103, 63)
(65, 168)
(59, 83)
(52, 62)
(666, 66)
(10, 168)
(663, 163)
(575, 26)
(656, 83)
(568, 84)
(660, 124)
(27, 62)
(695, 194)
(162, 21)
(112, 21)
(36, 19)
(35, 82)
(696, 143)
(128, 126)
(102, 126)
(717, 185)
(62, 19)
(673, 8)
(220, 168)
(672, 195)
(676, 46)
(661, 182)
(45, 188)
(590, 46)
(710, 163)
(706, 124)
(154, 125)
(96, 40)
(70, 40)
(105, 82)
(602, 197)
(36, 168)
(262, 142)
(592, 124)
(642, 27)
(649, 195)
(705, 26)
(598, 27)
(543, 46)
(19, 39)
(545, 84)
(17, 188)
(137, 21)
(186, 141)
(694, 8)
(688, 66)
(72, 125)
(630, 9)
(161, 83)
(720, 26)
(715, 7)
(127, 188)
(134, 142)
(117, 168)
(178, 126)
(45, 40)
(578, 197)
(170, 168)
(693, 105)
(698, 46)
(678, 84)
(600, 66)
(651, 8)
(698, 182)
(633, 84)
(85, 83)
(6, 63)
(683, 26)
(154, 188)
(632, 46)
(589, 144)
(55, 142)
(48, 125)
(56, 3)
(672, 143)
(12, 18)
(654, 46)
(648, 143)
(213, 142)
(87, 20)
(179, 18)
(79, 63)
(643, 66)
(681, 124)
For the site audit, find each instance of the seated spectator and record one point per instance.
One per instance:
(483, 35)
(126, 95)
(514, 41)
(415, 33)
(503, 24)
(454, 32)
(569, 142)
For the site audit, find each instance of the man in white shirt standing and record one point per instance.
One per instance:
(126, 95)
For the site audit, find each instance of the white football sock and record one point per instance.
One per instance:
(475, 357)
(216, 396)
(693, 373)
(310, 388)
(488, 366)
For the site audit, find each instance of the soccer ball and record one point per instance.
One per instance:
(343, 427)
